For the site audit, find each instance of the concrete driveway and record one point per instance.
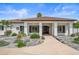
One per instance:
(50, 46)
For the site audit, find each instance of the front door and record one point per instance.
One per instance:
(45, 30)
(21, 28)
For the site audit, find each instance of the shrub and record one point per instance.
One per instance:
(19, 36)
(8, 32)
(34, 36)
(3, 43)
(72, 35)
(23, 34)
(14, 34)
(76, 40)
(21, 44)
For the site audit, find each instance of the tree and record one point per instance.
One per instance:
(6, 23)
(76, 25)
(39, 15)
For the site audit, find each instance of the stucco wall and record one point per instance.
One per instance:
(15, 25)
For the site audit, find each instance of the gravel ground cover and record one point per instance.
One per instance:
(11, 40)
(69, 41)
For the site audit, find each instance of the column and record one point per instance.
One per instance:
(26, 28)
(71, 28)
(52, 29)
(66, 30)
(40, 29)
(55, 29)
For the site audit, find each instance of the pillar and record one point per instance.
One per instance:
(66, 30)
(55, 29)
(25, 28)
(70, 29)
(40, 29)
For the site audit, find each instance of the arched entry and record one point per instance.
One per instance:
(45, 30)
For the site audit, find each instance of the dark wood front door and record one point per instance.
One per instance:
(21, 28)
(45, 30)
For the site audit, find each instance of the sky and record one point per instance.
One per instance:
(28, 10)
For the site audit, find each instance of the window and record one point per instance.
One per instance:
(1, 27)
(33, 29)
(61, 29)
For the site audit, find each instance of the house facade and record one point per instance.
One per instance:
(42, 25)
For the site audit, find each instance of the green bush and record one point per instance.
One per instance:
(3, 43)
(76, 40)
(34, 36)
(8, 32)
(14, 34)
(21, 44)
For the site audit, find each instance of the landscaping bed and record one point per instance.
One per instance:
(25, 41)
(69, 40)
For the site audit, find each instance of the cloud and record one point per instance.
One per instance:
(10, 12)
(57, 8)
(66, 11)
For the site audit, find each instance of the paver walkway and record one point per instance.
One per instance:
(50, 46)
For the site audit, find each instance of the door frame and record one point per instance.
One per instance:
(45, 29)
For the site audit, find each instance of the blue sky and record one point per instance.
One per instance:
(27, 10)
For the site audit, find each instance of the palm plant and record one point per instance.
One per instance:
(39, 15)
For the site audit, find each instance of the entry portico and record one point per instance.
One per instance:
(52, 28)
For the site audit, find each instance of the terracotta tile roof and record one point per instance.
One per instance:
(43, 19)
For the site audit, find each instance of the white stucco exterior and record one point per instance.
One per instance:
(53, 27)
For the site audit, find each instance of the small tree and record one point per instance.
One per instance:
(39, 15)
(6, 23)
(76, 25)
